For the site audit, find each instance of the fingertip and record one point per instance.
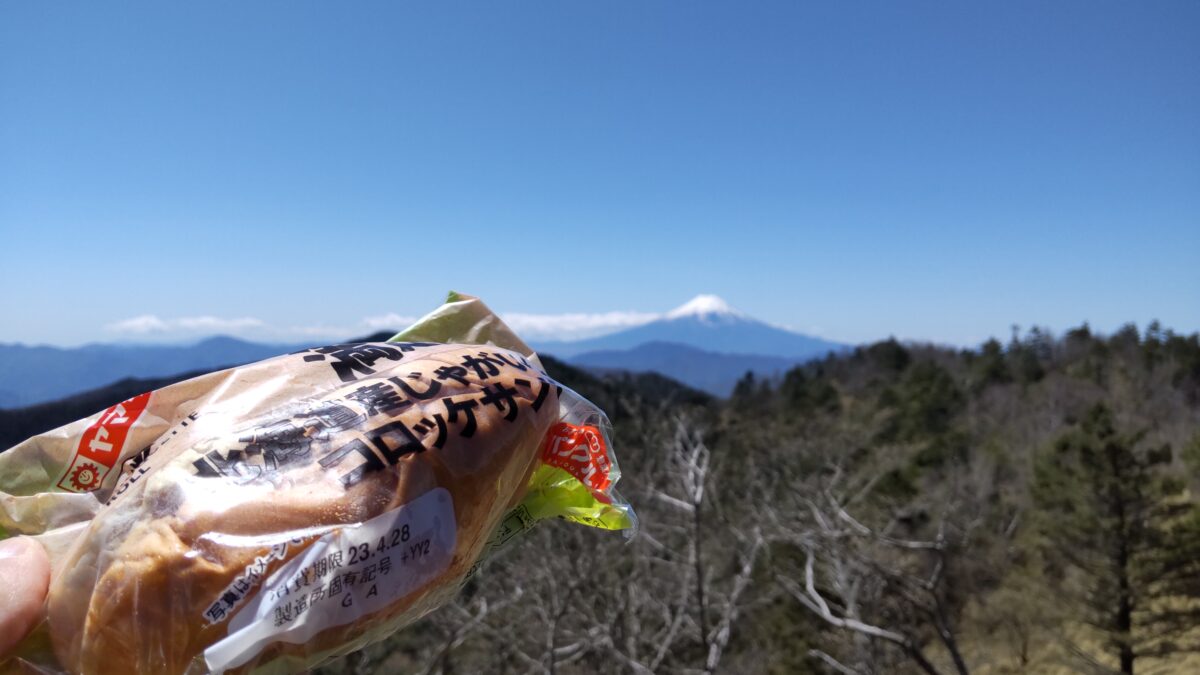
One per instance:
(24, 581)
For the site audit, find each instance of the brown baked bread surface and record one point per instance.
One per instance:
(275, 457)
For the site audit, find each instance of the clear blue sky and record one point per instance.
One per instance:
(930, 170)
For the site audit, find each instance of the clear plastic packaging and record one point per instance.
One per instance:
(269, 517)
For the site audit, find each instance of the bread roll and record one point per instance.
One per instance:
(380, 469)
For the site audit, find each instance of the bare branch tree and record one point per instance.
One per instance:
(847, 563)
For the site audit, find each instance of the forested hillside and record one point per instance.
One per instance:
(1028, 507)
(1024, 507)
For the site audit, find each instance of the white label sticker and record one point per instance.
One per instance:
(346, 574)
(240, 587)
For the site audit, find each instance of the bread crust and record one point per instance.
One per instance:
(284, 452)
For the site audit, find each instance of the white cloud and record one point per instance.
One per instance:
(156, 328)
(390, 321)
(139, 325)
(149, 323)
(574, 326)
(320, 331)
(212, 323)
(539, 326)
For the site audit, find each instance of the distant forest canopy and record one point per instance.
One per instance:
(1029, 506)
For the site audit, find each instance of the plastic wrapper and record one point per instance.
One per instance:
(269, 517)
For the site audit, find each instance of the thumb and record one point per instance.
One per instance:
(24, 579)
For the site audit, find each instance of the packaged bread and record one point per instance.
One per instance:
(272, 516)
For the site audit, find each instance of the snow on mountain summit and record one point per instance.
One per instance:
(704, 306)
(707, 323)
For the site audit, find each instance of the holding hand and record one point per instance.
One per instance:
(24, 579)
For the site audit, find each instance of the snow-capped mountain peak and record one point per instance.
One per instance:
(708, 323)
(704, 306)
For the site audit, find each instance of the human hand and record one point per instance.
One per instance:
(24, 580)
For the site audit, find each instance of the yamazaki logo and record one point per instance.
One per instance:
(580, 451)
(101, 444)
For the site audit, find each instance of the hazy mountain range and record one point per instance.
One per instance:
(704, 343)
(708, 323)
(711, 372)
(30, 375)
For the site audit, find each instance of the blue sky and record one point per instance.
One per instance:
(290, 170)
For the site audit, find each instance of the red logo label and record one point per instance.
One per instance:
(580, 451)
(101, 444)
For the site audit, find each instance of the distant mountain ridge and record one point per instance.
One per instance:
(711, 372)
(31, 375)
(20, 423)
(708, 323)
(704, 343)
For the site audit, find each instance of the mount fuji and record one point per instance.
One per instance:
(705, 322)
(705, 343)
